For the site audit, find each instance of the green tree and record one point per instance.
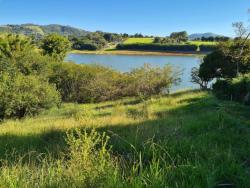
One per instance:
(25, 95)
(179, 36)
(55, 46)
(157, 40)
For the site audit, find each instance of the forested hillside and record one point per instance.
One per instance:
(41, 30)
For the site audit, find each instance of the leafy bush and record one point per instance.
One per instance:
(30, 63)
(24, 89)
(93, 83)
(85, 83)
(55, 46)
(25, 95)
(12, 44)
(237, 89)
(149, 80)
(159, 47)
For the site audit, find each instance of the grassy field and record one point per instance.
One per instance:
(187, 139)
(139, 40)
(198, 43)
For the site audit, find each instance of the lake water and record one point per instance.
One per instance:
(125, 63)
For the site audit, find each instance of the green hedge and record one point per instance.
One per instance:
(207, 48)
(158, 47)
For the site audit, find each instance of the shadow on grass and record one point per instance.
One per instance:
(195, 124)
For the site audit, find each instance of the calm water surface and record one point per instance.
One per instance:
(125, 63)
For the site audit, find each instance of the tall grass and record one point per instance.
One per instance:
(187, 139)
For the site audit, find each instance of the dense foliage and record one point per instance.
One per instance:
(237, 89)
(32, 81)
(229, 64)
(213, 39)
(12, 44)
(159, 47)
(55, 46)
(179, 36)
(22, 95)
(92, 83)
(95, 41)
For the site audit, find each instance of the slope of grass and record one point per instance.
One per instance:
(139, 40)
(187, 139)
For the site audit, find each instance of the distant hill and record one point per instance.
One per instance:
(200, 35)
(41, 30)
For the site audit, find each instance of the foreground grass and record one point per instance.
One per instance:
(187, 139)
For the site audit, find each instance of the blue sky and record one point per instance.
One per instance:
(151, 17)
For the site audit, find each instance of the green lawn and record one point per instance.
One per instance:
(139, 40)
(198, 43)
(188, 139)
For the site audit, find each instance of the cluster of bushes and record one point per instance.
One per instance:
(32, 80)
(94, 83)
(158, 47)
(229, 65)
(237, 89)
(213, 39)
(24, 87)
(94, 41)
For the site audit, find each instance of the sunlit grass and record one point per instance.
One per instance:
(187, 139)
(139, 40)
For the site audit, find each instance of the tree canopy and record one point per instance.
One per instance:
(55, 46)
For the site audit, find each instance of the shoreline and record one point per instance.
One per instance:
(136, 52)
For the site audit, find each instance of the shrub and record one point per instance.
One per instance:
(25, 95)
(237, 89)
(147, 80)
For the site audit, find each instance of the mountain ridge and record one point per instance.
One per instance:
(41, 30)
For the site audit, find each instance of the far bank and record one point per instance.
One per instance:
(137, 52)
